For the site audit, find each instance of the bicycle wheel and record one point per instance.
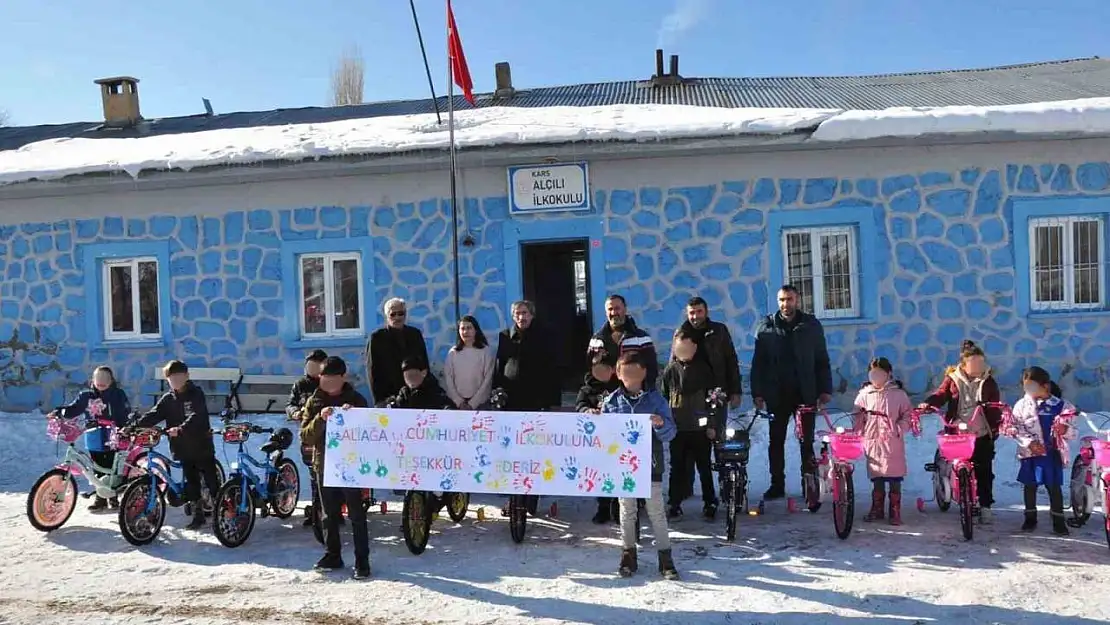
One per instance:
(1081, 507)
(518, 518)
(845, 507)
(416, 521)
(967, 507)
(138, 525)
(231, 525)
(287, 489)
(942, 492)
(457, 504)
(52, 500)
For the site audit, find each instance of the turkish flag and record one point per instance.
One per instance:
(459, 71)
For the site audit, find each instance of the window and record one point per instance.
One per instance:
(822, 264)
(1065, 259)
(332, 299)
(581, 293)
(130, 290)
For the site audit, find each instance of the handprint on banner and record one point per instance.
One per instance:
(586, 426)
(351, 457)
(383, 420)
(612, 449)
(382, 470)
(506, 436)
(481, 422)
(632, 432)
(337, 418)
(631, 459)
(447, 483)
(498, 483)
(411, 480)
(529, 425)
(364, 466)
(588, 481)
(333, 440)
(481, 457)
(398, 448)
(421, 420)
(570, 468)
(479, 476)
(629, 485)
(607, 485)
(548, 471)
(346, 477)
(524, 482)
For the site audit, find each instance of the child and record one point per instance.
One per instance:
(298, 395)
(598, 384)
(107, 401)
(185, 411)
(421, 389)
(884, 439)
(633, 398)
(963, 388)
(685, 383)
(1041, 454)
(335, 392)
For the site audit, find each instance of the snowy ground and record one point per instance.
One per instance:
(788, 569)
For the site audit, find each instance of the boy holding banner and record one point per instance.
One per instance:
(633, 398)
(334, 392)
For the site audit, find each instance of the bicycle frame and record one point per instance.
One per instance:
(1096, 478)
(160, 468)
(251, 481)
(835, 468)
(77, 462)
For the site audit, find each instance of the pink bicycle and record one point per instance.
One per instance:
(1090, 476)
(811, 482)
(840, 447)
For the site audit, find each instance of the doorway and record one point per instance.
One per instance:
(556, 276)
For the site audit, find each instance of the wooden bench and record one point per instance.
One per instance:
(221, 383)
(265, 393)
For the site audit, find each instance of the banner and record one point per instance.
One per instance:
(549, 453)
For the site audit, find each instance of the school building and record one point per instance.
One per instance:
(902, 245)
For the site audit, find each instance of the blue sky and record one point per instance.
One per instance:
(263, 54)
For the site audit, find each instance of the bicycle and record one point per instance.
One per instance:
(142, 506)
(731, 456)
(840, 447)
(275, 487)
(53, 497)
(811, 484)
(1090, 475)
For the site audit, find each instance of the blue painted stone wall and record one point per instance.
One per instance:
(945, 247)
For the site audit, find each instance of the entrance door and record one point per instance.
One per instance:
(555, 277)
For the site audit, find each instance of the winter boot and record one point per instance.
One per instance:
(777, 491)
(329, 563)
(362, 570)
(198, 518)
(113, 503)
(628, 562)
(1029, 494)
(895, 507)
(666, 565)
(603, 515)
(98, 504)
(878, 500)
(1056, 505)
(674, 511)
(709, 510)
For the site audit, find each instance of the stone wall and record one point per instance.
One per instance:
(944, 270)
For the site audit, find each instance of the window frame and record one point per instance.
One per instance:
(136, 334)
(815, 234)
(1067, 223)
(329, 259)
(89, 260)
(370, 266)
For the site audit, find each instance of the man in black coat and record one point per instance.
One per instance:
(525, 361)
(389, 347)
(715, 348)
(620, 335)
(185, 412)
(790, 367)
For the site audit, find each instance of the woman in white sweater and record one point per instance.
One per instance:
(468, 374)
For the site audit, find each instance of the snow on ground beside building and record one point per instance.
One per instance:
(783, 569)
(58, 158)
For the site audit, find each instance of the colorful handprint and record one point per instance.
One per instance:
(497, 483)
(337, 418)
(333, 441)
(531, 425)
(412, 480)
(481, 457)
(523, 482)
(398, 448)
(382, 470)
(570, 468)
(548, 471)
(612, 449)
(351, 457)
(479, 476)
(364, 466)
(631, 459)
(629, 485)
(632, 432)
(586, 426)
(588, 481)
(607, 485)
(447, 482)
(506, 438)
(481, 422)
(421, 420)
(383, 420)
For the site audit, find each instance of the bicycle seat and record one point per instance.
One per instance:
(280, 440)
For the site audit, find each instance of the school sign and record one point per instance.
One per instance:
(551, 453)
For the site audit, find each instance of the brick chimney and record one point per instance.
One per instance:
(504, 75)
(120, 96)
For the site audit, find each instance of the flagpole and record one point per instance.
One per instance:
(424, 53)
(454, 184)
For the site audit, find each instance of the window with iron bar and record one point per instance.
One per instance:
(1065, 263)
(822, 264)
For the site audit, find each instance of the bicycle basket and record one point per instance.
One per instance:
(735, 449)
(1102, 452)
(119, 441)
(146, 437)
(237, 433)
(956, 446)
(65, 430)
(846, 446)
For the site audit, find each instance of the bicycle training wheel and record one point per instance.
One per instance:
(941, 492)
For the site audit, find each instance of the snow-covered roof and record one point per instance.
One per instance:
(59, 158)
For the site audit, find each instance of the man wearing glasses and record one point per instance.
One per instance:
(389, 346)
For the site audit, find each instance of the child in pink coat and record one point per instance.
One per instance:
(884, 439)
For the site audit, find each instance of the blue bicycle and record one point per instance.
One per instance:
(142, 506)
(275, 486)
